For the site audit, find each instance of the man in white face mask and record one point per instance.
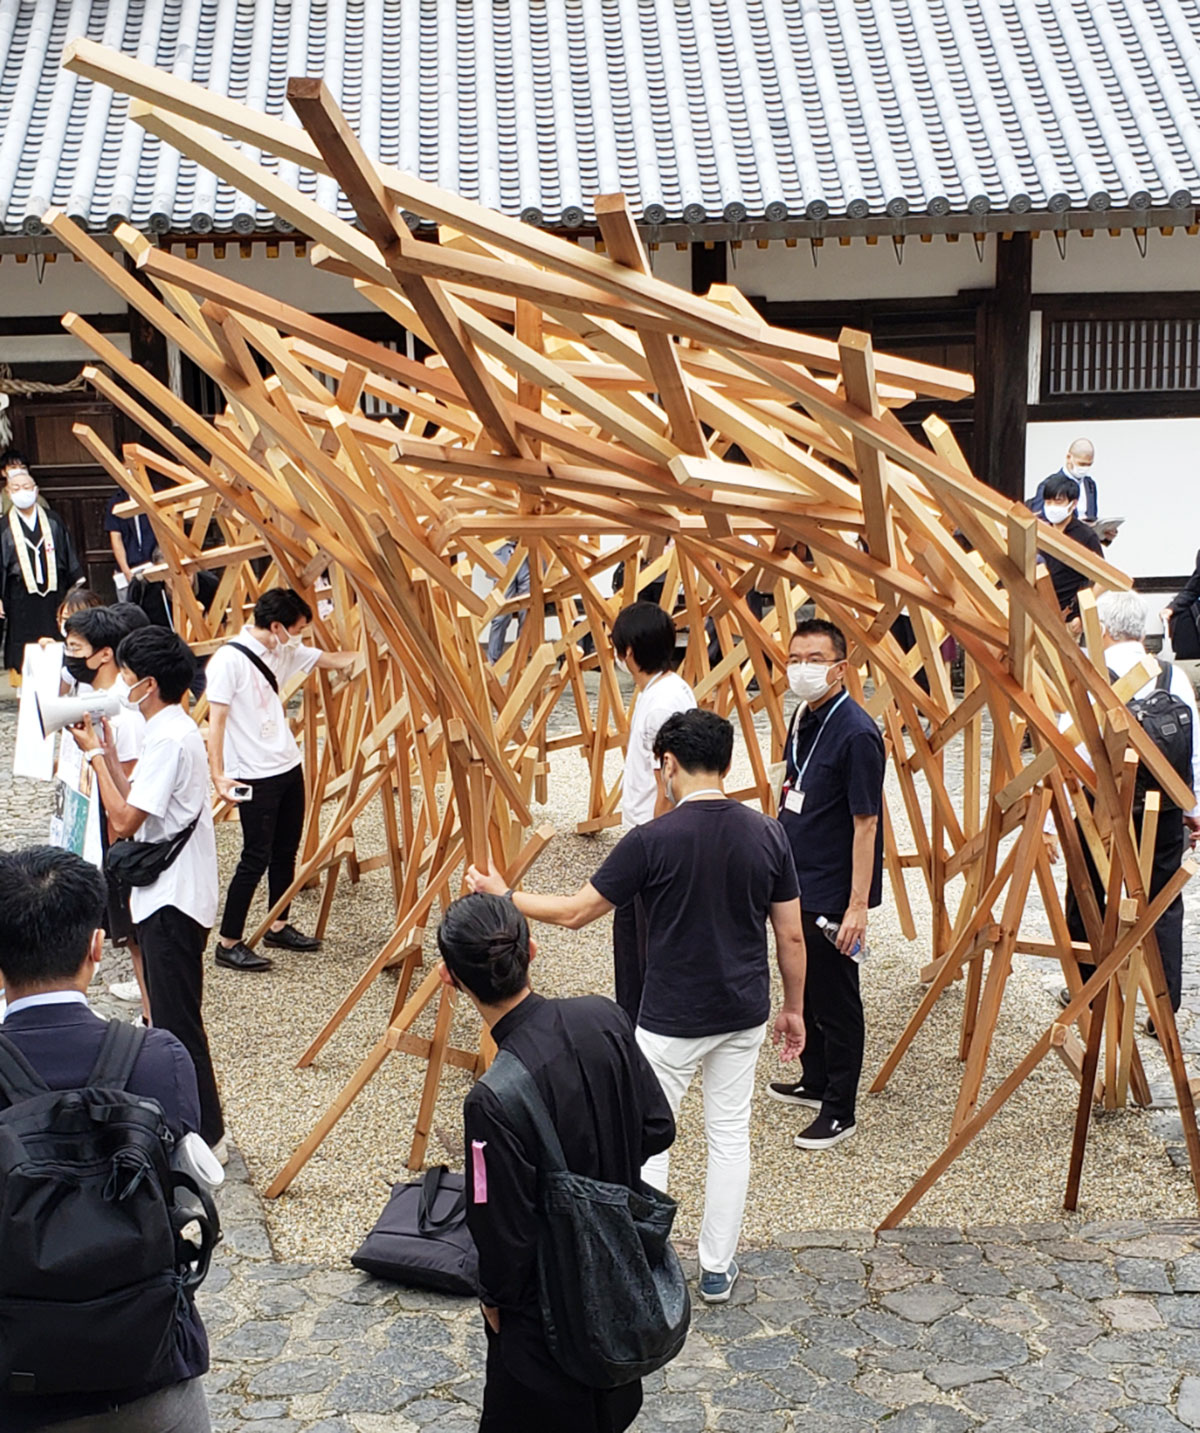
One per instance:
(1078, 465)
(250, 743)
(38, 565)
(1062, 501)
(830, 809)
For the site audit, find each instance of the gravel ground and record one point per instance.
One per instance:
(1014, 1172)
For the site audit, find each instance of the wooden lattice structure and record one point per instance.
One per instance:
(591, 412)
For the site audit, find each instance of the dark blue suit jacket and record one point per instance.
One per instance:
(62, 1042)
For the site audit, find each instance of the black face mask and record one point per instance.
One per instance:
(78, 669)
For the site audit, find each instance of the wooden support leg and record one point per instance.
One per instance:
(1087, 1086)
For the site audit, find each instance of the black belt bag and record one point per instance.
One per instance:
(140, 863)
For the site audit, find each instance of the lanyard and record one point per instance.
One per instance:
(798, 784)
(695, 795)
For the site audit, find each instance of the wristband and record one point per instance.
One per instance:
(508, 894)
(99, 751)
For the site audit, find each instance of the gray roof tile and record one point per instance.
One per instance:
(701, 110)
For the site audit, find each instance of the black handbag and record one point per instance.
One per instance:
(614, 1300)
(140, 863)
(421, 1238)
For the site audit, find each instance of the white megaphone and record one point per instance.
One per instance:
(54, 713)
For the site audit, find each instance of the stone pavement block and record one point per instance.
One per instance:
(930, 1418)
(732, 1421)
(301, 1375)
(1143, 1276)
(1187, 1405)
(763, 1353)
(1148, 1418)
(256, 1339)
(1185, 1275)
(751, 1395)
(923, 1304)
(671, 1413)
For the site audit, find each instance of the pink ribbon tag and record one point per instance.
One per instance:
(479, 1170)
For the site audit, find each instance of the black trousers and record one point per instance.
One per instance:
(833, 1022)
(1170, 846)
(510, 1406)
(173, 950)
(272, 823)
(629, 956)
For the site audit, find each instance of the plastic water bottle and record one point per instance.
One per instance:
(829, 930)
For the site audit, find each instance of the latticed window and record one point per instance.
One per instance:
(1121, 355)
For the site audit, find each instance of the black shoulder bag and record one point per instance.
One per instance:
(140, 863)
(614, 1300)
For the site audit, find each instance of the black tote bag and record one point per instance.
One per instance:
(614, 1300)
(422, 1238)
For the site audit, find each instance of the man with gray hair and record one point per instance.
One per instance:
(1123, 626)
(1078, 465)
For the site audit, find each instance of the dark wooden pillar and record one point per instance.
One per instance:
(1002, 369)
(710, 265)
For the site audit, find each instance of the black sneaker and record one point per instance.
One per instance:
(241, 957)
(1064, 996)
(823, 1133)
(289, 938)
(794, 1095)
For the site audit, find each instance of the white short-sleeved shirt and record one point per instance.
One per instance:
(258, 741)
(661, 697)
(170, 784)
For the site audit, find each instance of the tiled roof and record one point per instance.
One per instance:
(700, 110)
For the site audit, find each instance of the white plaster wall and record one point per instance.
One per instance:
(672, 265)
(64, 285)
(292, 279)
(859, 270)
(1143, 473)
(1103, 264)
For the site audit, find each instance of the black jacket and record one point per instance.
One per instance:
(62, 1043)
(1185, 626)
(611, 1116)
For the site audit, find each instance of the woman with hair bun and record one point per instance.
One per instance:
(611, 1116)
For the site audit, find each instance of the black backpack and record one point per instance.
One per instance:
(1167, 721)
(614, 1300)
(94, 1277)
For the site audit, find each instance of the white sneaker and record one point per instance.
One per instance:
(221, 1151)
(126, 990)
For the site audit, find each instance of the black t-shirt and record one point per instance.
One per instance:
(1068, 582)
(843, 779)
(708, 873)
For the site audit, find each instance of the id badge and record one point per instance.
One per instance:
(267, 731)
(794, 802)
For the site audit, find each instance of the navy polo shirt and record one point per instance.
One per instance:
(136, 532)
(843, 779)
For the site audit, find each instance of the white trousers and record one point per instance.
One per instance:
(728, 1063)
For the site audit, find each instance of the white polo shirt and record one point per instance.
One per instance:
(258, 741)
(170, 784)
(661, 697)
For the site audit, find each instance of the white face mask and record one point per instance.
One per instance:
(621, 667)
(24, 498)
(1057, 512)
(295, 640)
(808, 680)
(128, 701)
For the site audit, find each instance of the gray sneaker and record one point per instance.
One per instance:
(716, 1288)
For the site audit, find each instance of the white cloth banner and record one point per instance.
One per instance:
(41, 675)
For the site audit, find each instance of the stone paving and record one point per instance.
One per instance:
(919, 1331)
